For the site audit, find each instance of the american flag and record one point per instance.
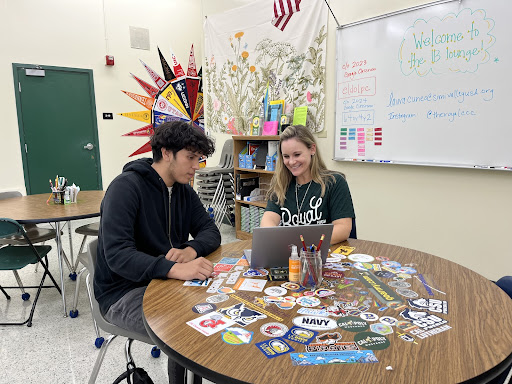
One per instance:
(283, 11)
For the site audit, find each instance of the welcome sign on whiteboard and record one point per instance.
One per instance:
(429, 86)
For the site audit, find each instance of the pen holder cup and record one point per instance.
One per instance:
(58, 197)
(310, 269)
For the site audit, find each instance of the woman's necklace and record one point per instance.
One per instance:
(297, 197)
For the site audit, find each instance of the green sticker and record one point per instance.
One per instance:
(352, 324)
(371, 340)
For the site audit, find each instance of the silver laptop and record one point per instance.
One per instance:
(271, 245)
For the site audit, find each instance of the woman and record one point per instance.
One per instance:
(303, 191)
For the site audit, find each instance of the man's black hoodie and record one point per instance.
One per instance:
(134, 231)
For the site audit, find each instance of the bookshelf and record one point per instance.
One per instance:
(239, 143)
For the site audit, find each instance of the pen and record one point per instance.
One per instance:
(385, 161)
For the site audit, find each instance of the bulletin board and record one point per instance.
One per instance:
(430, 85)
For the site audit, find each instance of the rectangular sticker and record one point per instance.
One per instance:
(210, 323)
(300, 335)
(274, 347)
(254, 285)
(341, 357)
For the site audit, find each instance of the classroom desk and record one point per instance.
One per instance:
(33, 209)
(477, 347)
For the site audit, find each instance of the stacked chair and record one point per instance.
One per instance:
(215, 187)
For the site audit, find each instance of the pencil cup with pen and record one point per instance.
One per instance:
(310, 269)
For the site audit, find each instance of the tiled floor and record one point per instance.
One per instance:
(58, 349)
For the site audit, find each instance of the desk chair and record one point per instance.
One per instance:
(114, 330)
(14, 257)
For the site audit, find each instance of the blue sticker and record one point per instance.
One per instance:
(338, 357)
(300, 335)
(391, 264)
(274, 347)
(229, 260)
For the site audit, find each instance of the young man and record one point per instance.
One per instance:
(147, 215)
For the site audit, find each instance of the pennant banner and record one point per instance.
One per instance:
(164, 106)
(160, 118)
(192, 71)
(172, 97)
(160, 83)
(144, 131)
(199, 106)
(145, 148)
(283, 11)
(192, 88)
(150, 90)
(168, 73)
(178, 71)
(242, 56)
(180, 86)
(144, 116)
(142, 100)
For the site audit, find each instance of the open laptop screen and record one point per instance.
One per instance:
(271, 245)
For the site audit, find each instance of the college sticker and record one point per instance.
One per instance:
(361, 257)
(315, 323)
(217, 298)
(371, 340)
(300, 335)
(352, 324)
(274, 347)
(237, 336)
(204, 308)
(273, 329)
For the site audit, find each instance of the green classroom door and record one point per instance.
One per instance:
(57, 125)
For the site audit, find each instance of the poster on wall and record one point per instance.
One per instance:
(279, 46)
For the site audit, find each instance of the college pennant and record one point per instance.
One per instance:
(165, 106)
(145, 148)
(180, 86)
(192, 90)
(150, 90)
(145, 101)
(144, 116)
(178, 71)
(192, 69)
(144, 131)
(160, 83)
(168, 73)
(172, 97)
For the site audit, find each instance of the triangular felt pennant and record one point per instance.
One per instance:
(145, 148)
(161, 118)
(178, 71)
(165, 106)
(168, 73)
(192, 70)
(144, 131)
(172, 97)
(192, 87)
(199, 105)
(160, 83)
(150, 90)
(200, 75)
(180, 86)
(142, 100)
(144, 116)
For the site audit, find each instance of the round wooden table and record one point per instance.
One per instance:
(34, 209)
(477, 347)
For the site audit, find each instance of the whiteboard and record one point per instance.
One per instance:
(430, 85)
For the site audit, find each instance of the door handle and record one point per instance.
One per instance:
(89, 146)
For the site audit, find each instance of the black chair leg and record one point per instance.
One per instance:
(5, 293)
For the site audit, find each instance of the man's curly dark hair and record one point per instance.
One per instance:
(177, 135)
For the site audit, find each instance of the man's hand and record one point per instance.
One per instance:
(181, 255)
(199, 268)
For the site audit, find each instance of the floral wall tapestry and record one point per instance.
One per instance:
(259, 44)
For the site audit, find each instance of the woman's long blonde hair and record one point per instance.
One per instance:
(282, 177)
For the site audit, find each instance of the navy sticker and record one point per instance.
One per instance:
(300, 335)
(432, 305)
(274, 347)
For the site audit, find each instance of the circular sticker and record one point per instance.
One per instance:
(368, 316)
(204, 308)
(296, 294)
(384, 274)
(399, 284)
(275, 291)
(361, 257)
(291, 286)
(407, 270)
(314, 322)
(361, 266)
(404, 276)
(308, 302)
(407, 293)
(332, 259)
(217, 298)
(322, 292)
(371, 340)
(352, 324)
(381, 329)
(309, 293)
(273, 329)
(290, 298)
(391, 264)
(388, 320)
(285, 305)
(333, 274)
(382, 258)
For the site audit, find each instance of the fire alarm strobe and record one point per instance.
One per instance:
(110, 59)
